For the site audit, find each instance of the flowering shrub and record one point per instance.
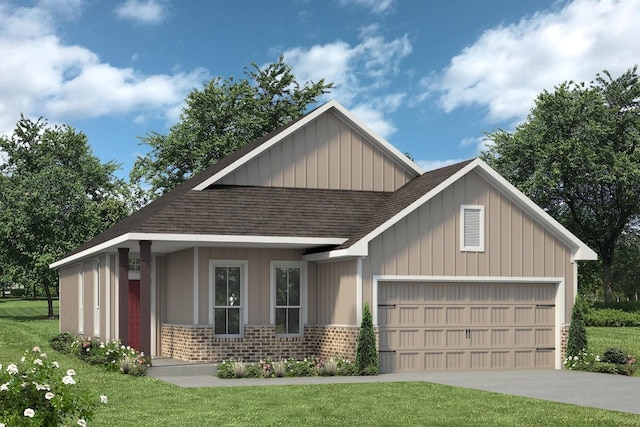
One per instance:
(582, 360)
(614, 361)
(36, 392)
(111, 354)
(269, 368)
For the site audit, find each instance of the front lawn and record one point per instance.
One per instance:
(626, 338)
(150, 402)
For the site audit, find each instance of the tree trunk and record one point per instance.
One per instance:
(47, 291)
(607, 278)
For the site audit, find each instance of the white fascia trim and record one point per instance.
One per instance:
(226, 238)
(201, 238)
(351, 252)
(359, 302)
(196, 286)
(293, 128)
(95, 249)
(581, 252)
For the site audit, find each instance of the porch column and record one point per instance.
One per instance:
(123, 295)
(145, 297)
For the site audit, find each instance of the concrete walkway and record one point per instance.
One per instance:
(614, 392)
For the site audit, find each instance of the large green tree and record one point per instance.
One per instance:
(220, 118)
(578, 156)
(55, 194)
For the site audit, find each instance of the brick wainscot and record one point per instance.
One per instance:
(197, 343)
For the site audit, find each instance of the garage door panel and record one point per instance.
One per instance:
(438, 326)
(456, 338)
(456, 315)
(544, 337)
(434, 316)
(480, 315)
(480, 359)
(434, 338)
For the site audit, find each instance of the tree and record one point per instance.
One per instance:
(366, 352)
(220, 118)
(578, 157)
(55, 195)
(626, 265)
(577, 331)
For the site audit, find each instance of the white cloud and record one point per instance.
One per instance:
(43, 76)
(375, 6)
(508, 66)
(362, 73)
(142, 11)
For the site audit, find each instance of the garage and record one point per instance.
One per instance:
(466, 325)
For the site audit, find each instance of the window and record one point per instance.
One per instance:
(227, 297)
(472, 228)
(288, 283)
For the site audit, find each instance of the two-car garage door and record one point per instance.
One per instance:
(438, 326)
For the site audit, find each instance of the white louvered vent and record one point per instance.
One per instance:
(472, 228)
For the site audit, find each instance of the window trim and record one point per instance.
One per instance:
(303, 294)
(244, 311)
(481, 231)
(96, 297)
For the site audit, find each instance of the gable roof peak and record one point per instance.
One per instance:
(254, 149)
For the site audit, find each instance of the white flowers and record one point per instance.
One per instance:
(49, 395)
(36, 349)
(71, 372)
(55, 364)
(38, 362)
(12, 369)
(68, 380)
(4, 387)
(82, 422)
(29, 412)
(104, 399)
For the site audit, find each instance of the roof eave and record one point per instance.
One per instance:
(203, 240)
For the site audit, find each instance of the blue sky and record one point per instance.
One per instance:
(429, 76)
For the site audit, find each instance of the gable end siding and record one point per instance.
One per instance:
(326, 153)
(427, 241)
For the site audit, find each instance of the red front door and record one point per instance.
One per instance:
(134, 314)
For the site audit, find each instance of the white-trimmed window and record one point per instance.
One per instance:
(472, 228)
(288, 297)
(228, 297)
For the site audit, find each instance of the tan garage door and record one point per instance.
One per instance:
(437, 326)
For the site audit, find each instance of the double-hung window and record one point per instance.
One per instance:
(472, 228)
(288, 293)
(227, 289)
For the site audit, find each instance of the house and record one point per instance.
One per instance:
(274, 250)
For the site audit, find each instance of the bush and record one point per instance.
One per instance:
(63, 342)
(628, 306)
(602, 368)
(366, 352)
(308, 367)
(112, 354)
(615, 356)
(36, 392)
(577, 331)
(611, 317)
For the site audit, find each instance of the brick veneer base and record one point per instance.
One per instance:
(198, 343)
(564, 339)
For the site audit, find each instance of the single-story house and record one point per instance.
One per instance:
(274, 250)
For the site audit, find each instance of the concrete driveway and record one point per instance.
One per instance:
(614, 392)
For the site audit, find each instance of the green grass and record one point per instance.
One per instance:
(150, 402)
(600, 339)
